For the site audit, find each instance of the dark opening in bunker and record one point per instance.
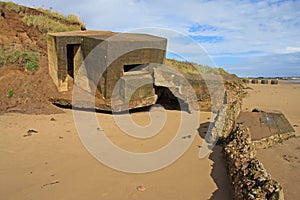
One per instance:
(168, 100)
(133, 67)
(72, 51)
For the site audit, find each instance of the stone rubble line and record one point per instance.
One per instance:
(249, 178)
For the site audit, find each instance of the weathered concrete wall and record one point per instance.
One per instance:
(128, 86)
(52, 61)
(57, 56)
(249, 178)
(95, 63)
(138, 56)
(105, 63)
(225, 120)
(61, 48)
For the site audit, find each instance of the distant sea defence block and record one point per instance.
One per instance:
(246, 81)
(264, 81)
(274, 82)
(254, 81)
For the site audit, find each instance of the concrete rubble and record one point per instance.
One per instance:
(249, 178)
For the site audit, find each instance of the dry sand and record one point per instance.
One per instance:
(53, 163)
(282, 161)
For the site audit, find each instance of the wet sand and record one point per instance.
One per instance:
(282, 161)
(54, 164)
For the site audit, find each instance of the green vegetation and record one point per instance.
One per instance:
(46, 20)
(73, 19)
(43, 20)
(31, 66)
(2, 57)
(19, 57)
(10, 93)
(12, 6)
(193, 68)
(46, 24)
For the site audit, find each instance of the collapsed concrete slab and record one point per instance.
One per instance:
(266, 127)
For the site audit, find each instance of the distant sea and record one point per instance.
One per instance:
(296, 81)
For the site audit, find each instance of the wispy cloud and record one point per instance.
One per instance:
(201, 28)
(241, 54)
(207, 39)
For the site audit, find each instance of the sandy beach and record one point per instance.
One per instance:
(44, 55)
(53, 163)
(282, 161)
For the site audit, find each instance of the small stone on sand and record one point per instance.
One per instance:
(141, 188)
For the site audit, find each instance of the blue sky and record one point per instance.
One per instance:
(245, 37)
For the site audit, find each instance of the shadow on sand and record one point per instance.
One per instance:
(219, 171)
(167, 104)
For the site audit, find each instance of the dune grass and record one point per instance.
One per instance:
(71, 18)
(12, 6)
(194, 68)
(41, 19)
(45, 24)
(45, 20)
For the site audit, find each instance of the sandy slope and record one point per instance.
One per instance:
(53, 164)
(281, 160)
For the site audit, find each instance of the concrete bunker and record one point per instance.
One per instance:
(126, 59)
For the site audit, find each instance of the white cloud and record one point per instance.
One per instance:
(268, 27)
(292, 50)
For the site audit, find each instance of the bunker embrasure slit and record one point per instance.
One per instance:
(132, 67)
